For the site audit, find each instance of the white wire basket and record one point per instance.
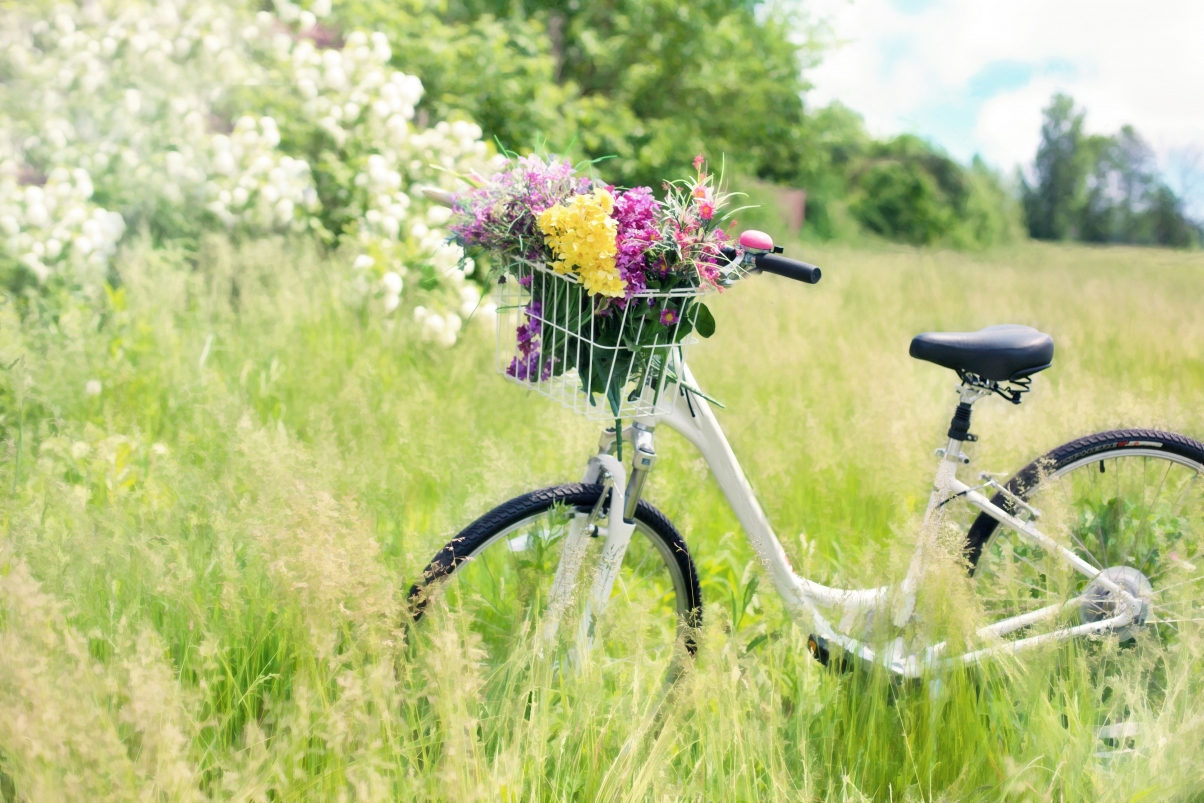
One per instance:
(615, 365)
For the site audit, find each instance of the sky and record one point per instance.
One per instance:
(974, 75)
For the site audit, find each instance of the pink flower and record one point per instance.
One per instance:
(706, 210)
(698, 160)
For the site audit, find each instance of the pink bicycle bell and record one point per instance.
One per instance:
(756, 241)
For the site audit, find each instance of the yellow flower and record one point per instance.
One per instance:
(581, 234)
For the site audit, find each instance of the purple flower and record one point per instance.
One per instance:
(669, 316)
(527, 365)
(504, 211)
(527, 334)
(636, 214)
(525, 368)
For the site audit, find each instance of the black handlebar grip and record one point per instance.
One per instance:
(790, 268)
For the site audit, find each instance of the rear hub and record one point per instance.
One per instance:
(1098, 603)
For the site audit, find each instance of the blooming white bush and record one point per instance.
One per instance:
(366, 109)
(183, 115)
(249, 182)
(55, 227)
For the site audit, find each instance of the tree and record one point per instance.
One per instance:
(1168, 222)
(647, 84)
(1103, 189)
(907, 191)
(1120, 186)
(1050, 205)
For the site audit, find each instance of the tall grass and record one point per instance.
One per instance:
(203, 567)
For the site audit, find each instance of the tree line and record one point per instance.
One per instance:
(1100, 188)
(644, 85)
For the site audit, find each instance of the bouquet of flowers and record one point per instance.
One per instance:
(610, 279)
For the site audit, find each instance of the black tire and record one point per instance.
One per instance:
(485, 530)
(1102, 444)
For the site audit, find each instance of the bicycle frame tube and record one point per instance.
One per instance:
(618, 536)
(693, 418)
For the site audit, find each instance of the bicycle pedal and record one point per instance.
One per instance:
(818, 647)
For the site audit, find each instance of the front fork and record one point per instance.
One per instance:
(625, 494)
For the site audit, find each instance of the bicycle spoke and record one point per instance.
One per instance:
(1098, 563)
(1164, 589)
(1187, 486)
(1158, 493)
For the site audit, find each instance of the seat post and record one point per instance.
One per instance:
(959, 427)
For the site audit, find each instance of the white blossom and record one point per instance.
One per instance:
(392, 282)
(126, 102)
(470, 297)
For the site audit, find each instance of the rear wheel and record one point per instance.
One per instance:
(495, 578)
(1129, 502)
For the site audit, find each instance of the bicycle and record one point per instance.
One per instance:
(1131, 503)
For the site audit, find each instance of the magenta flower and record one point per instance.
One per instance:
(669, 317)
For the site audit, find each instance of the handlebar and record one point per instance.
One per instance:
(790, 268)
(779, 265)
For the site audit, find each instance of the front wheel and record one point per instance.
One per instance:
(1129, 502)
(495, 579)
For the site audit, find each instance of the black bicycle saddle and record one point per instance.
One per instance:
(998, 353)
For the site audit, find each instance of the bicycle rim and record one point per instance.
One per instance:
(499, 597)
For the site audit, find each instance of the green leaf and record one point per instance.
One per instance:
(704, 321)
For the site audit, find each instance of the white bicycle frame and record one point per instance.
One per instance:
(692, 417)
(806, 600)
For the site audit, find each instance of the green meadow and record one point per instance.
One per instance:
(204, 565)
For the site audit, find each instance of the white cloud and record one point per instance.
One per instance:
(1008, 127)
(1124, 62)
